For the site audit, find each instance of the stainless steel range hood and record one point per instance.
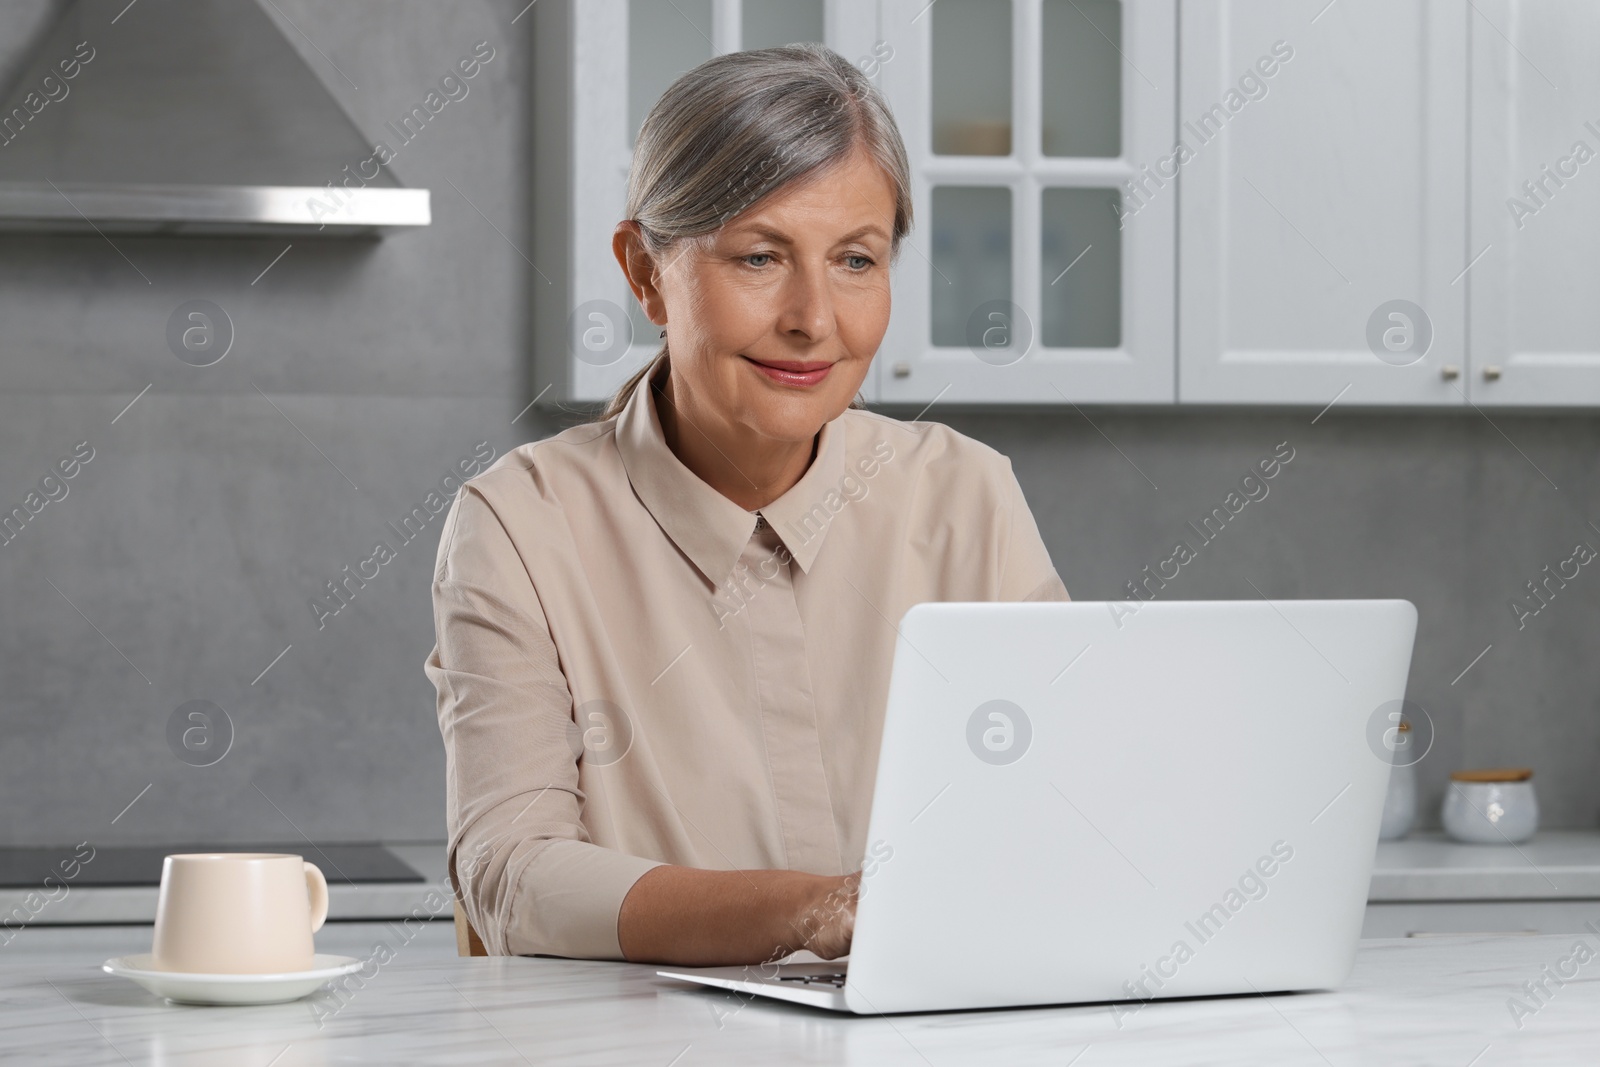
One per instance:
(177, 116)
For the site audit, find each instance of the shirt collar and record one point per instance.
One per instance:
(705, 525)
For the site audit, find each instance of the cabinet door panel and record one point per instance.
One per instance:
(1087, 314)
(1324, 181)
(1535, 320)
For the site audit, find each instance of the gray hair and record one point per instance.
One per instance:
(741, 126)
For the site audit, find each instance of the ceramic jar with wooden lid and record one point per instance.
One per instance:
(1494, 806)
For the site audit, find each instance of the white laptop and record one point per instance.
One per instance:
(1116, 801)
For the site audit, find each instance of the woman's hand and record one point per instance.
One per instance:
(701, 918)
(827, 920)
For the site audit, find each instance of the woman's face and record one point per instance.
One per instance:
(801, 281)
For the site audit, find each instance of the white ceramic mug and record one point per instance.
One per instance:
(238, 913)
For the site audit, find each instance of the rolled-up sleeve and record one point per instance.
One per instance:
(525, 869)
(1027, 573)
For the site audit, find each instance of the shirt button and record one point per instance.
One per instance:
(761, 521)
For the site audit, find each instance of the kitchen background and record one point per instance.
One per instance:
(181, 563)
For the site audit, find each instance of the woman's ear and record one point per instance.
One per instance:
(639, 267)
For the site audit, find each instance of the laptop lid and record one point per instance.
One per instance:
(1089, 801)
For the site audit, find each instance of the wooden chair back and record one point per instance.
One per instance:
(468, 943)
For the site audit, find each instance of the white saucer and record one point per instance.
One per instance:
(183, 988)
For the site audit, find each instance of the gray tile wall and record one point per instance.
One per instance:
(183, 558)
(181, 561)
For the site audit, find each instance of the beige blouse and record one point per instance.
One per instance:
(634, 670)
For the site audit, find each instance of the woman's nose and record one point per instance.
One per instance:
(808, 304)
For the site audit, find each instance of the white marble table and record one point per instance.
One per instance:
(1420, 1001)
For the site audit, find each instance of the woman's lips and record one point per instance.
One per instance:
(793, 373)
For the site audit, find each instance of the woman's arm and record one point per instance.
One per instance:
(1026, 572)
(530, 879)
(699, 918)
(529, 876)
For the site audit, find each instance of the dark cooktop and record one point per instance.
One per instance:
(140, 865)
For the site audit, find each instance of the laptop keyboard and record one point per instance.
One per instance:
(834, 980)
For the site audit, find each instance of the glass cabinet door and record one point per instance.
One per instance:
(1031, 276)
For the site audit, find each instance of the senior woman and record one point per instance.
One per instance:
(664, 636)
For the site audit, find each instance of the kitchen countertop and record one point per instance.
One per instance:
(1556, 864)
(1437, 1000)
(346, 900)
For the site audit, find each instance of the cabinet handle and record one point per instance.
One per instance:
(1491, 373)
(1449, 371)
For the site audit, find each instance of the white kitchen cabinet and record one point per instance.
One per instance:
(599, 64)
(1535, 322)
(1023, 245)
(1317, 195)
(1232, 202)
(1025, 280)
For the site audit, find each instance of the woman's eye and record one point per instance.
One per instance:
(856, 262)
